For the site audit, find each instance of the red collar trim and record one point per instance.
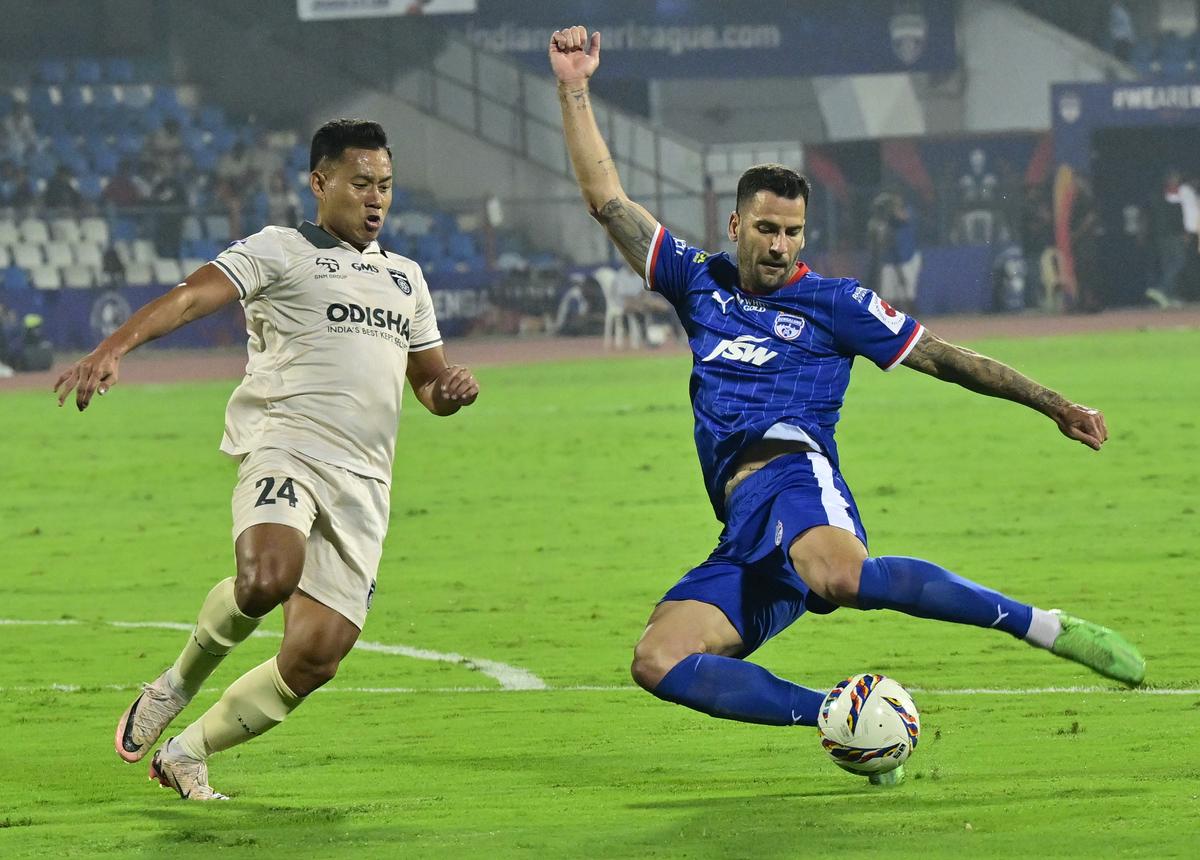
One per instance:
(800, 273)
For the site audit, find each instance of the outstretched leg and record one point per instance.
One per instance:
(685, 657)
(834, 564)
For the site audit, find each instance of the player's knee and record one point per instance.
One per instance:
(304, 676)
(265, 579)
(653, 660)
(835, 582)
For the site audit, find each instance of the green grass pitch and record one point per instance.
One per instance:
(537, 529)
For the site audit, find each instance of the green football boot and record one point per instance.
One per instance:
(1098, 648)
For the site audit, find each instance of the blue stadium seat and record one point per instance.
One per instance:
(16, 278)
(42, 102)
(139, 96)
(41, 165)
(104, 97)
(91, 186)
(129, 143)
(52, 71)
(211, 118)
(105, 160)
(76, 97)
(118, 70)
(87, 71)
(205, 159)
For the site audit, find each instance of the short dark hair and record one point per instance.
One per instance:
(774, 178)
(338, 135)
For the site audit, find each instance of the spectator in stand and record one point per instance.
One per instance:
(977, 202)
(902, 266)
(1183, 192)
(283, 203)
(880, 240)
(235, 176)
(1120, 31)
(18, 136)
(165, 147)
(16, 188)
(61, 192)
(113, 267)
(1086, 234)
(1038, 245)
(169, 196)
(10, 340)
(126, 187)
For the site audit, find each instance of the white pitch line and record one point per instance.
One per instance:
(508, 677)
(514, 679)
(594, 688)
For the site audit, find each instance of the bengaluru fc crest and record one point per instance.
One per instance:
(788, 327)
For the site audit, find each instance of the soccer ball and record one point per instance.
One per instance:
(869, 724)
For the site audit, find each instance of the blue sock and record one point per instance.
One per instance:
(922, 588)
(736, 690)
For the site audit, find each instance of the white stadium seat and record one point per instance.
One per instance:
(5, 258)
(77, 277)
(28, 256)
(89, 254)
(59, 254)
(45, 277)
(9, 234)
(192, 230)
(143, 251)
(95, 229)
(124, 251)
(166, 272)
(217, 227)
(65, 230)
(139, 274)
(34, 230)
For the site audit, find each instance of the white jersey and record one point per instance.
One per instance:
(330, 329)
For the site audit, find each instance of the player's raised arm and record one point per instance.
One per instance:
(574, 57)
(976, 372)
(203, 292)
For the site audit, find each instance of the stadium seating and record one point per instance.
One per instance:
(92, 112)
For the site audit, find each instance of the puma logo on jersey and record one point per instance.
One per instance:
(743, 349)
(724, 303)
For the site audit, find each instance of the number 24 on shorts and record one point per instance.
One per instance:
(286, 491)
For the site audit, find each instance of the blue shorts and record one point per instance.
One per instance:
(749, 576)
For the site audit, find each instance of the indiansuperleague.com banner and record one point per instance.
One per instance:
(749, 38)
(334, 10)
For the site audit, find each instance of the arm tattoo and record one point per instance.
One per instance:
(629, 229)
(981, 374)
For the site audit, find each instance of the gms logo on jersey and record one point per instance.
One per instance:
(743, 349)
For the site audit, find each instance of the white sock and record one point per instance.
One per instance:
(1043, 629)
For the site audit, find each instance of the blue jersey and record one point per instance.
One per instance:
(773, 366)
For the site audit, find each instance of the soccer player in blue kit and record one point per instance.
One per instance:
(772, 346)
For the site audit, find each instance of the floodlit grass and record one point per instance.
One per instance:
(537, 529)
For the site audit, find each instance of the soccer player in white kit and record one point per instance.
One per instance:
(335, 325)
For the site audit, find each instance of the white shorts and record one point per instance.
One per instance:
(344, 515)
